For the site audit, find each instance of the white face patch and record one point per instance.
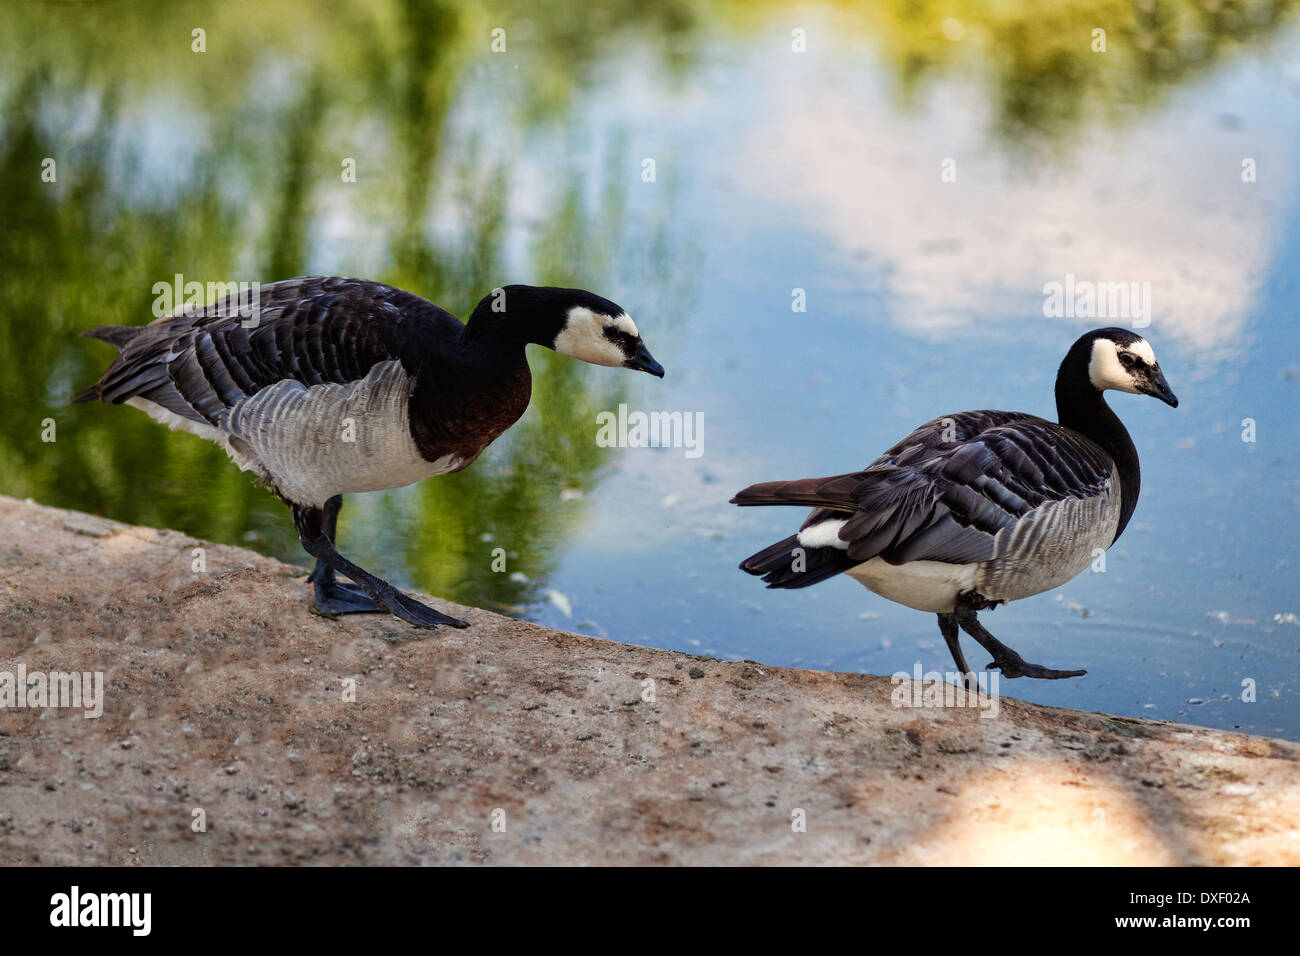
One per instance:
(1106, 371)
(583, 336)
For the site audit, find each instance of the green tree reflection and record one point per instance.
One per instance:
(226, 164)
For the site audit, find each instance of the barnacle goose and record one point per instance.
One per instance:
(978, 508)
(333, 385)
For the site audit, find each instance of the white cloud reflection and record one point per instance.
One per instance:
(1157, 200)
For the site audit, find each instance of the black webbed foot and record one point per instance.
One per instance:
(1006, 660)
(368, 594)
(412, 611)
(335, 598)
(1013, 665)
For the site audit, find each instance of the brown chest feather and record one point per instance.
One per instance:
(461, 414)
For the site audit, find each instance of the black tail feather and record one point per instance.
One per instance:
(835, 492)
(771, 557)
(788, 564)
(118, 336)
(115, 335)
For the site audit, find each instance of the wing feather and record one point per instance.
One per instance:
(202, 362)
(949, 488)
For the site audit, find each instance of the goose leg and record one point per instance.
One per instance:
(310, 523)
(948, 627)
(1004, 658)
(333, 596)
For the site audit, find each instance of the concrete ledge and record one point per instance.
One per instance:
(224, 695)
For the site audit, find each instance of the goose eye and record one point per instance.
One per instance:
(1128, 359)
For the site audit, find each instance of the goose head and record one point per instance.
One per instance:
(1124, 361)
(600, 332)
(576, 323)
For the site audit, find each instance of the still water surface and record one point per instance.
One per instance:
(919, 178)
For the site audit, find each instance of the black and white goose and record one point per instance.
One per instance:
(332, 385)
(978, 508)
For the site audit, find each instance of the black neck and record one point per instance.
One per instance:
(512, 328)
(1080, 407)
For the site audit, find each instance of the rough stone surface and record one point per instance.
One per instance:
(224, 695)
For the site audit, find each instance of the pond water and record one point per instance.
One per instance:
(830, 223)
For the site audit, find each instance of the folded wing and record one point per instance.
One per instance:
(201, 363)
(943, 493)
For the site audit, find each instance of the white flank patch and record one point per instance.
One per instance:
(825, 534)
(583, 337)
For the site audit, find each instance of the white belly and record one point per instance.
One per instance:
(923, 585)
